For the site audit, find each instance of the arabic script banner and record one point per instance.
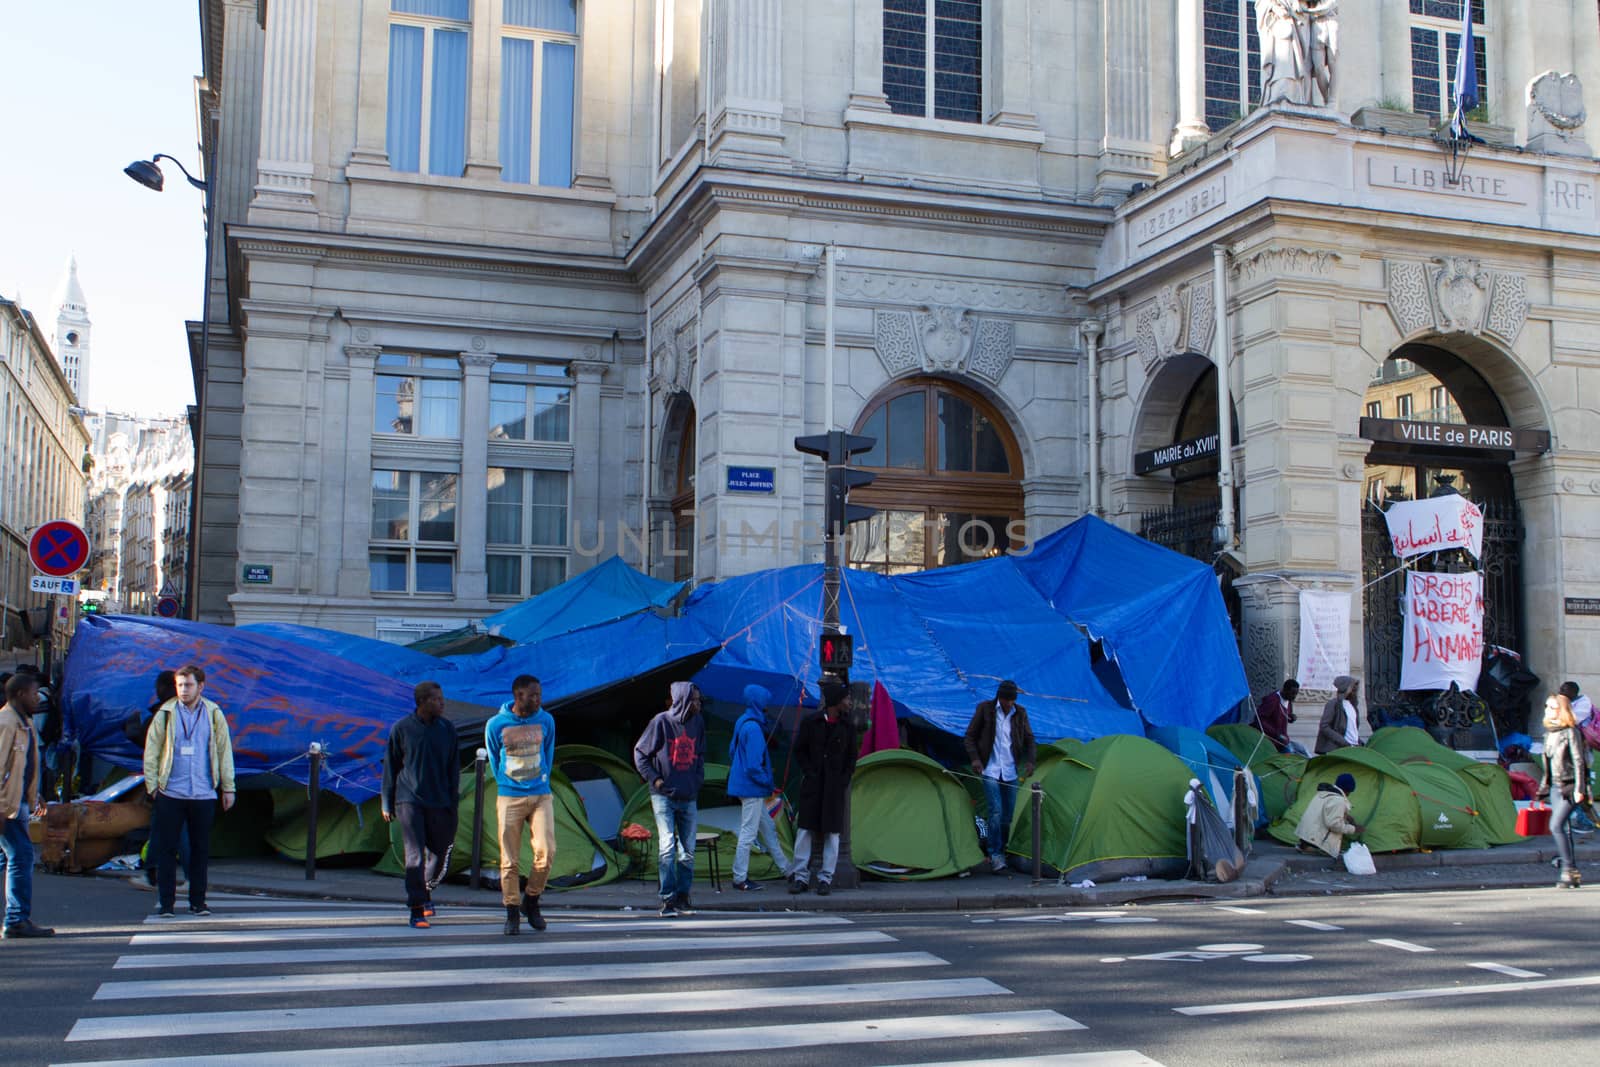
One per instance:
(1435, 525)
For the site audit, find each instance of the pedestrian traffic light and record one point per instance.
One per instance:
(835, 652)
(836, 448)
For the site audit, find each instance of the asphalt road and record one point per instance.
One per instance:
(1484, 977)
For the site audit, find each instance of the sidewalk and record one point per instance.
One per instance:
(1273, 870)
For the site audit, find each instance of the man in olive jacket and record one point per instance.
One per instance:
(188, 762)
(1001, 747)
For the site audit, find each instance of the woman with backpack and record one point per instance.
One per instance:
(1565, 781)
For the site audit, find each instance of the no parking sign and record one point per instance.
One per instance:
(59, 548)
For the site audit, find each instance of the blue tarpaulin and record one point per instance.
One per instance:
(396, 661)
(610, 590)
(278, 697)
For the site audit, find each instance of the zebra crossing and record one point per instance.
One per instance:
(278, 982)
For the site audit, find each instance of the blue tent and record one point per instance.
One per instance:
(278, 696)
(611, 590)
(1212, 763)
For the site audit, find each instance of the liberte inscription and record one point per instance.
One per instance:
(1427, 178)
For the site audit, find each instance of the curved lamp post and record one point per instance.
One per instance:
(147, 172)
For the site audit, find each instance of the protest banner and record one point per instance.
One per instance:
(1324, 638)
(1443, 631)
(1435, 525)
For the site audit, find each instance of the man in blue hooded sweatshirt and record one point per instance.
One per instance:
(521, 741)
(750, 782)
(671, 757)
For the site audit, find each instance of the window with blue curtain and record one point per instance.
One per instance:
(538, 91)
(933, 58)
(429, 57)
(1435, 44)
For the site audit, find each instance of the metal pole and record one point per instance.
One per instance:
(1221, 346)
(315, 786)
(1243, 831)
(191, 592)
(477, 818)
(1091, 340)
(1037, 798)
(830, 256)
(1197, 863)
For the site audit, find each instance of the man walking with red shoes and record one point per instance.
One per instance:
(421, 788)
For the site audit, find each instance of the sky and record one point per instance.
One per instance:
(86, 87)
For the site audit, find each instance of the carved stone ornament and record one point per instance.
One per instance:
(1159, 330)
(686, 356)
(1458, 296)
(993, 350)
(946, 337)
(1556, 113)
(1462, 288)
(1278, 260)
(1169, 320)
(663, 366)
(1202, 316)
(895, 339)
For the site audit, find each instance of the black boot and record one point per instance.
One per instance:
(513, 920)
(530, 908)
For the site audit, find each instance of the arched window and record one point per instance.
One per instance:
(948, 484)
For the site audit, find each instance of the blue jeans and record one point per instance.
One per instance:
(1002, 800)
(16, 861)
(675, 827)
(753, 821)
(1561, 810)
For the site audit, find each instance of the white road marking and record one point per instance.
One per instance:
(1312, 924)
(1230, 948)
(1298, 1003)
(1277, 957)
(1127, 919)
(1118, 1058)
(1405, 946)
(1238, 910)
(1508, 971)
(395, 929)
(660, 1044)
(469, 977)
(470, 1012)
(424, 946)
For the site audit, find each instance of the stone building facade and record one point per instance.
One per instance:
(43, 449)
(138, 509)
(506, 286)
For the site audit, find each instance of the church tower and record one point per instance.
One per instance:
(71, 340)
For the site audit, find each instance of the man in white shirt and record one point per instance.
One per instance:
(1001, 748)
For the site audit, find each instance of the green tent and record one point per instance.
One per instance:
(910, 819)
(1488, 783)
(343, 829)
(1246, 742)
(581, 858)
(1280, 782)
(1401, 806)
(604, 780)
(718, 814)
(1112, 807)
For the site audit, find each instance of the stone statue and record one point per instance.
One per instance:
(1299, 51)
(1556, 115)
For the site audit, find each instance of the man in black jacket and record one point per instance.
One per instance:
(825, 749)
(421, 788)
(1001, 747)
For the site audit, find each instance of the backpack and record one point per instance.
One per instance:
(1590, 729)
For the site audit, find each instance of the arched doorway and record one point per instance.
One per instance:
(1431, 417)
(948, 479)
(1176, 456)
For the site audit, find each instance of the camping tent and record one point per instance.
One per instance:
(1280, 783)
(718, 814)
(1488, 783)
(909, 819)
(1248, 745)
(1401, 806)
(581, 858)
(604, 781)
(1213, 764)
(1112, 807)
(344, 830)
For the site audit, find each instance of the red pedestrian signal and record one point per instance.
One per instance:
(836, 652)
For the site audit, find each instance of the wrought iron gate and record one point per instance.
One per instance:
(1384, 585)
(1185, 530)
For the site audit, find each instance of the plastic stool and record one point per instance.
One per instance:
(706, 841)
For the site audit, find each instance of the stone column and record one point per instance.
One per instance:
(1191, 49)
(1012, 60)
(586, 472)
(372, 92)
(334, 490)
(472, 500)
(1127, 152)
(288, 97)
(1394, 52)
(354, 576)
(596, 81)
(1508, 105)
(747, 120)
(866, 85)
(483, 100)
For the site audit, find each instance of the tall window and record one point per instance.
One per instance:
(527, 531)
(1435, 43)
(1374, 409)
(529, 402)
(1402, 406)
(413, 532)
(1233, 61)
(417, 395)
(948, 485)
(538, 70)
(428, 75)
(933, 58)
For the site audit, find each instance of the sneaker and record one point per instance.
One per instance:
(685, 905)
(749, 887)
(167, 913)
(823, 889)
(199, 909)
(669, 909)
(997, 865)
(26, 928)
(798, 885)
(427, 909)
(420, 921)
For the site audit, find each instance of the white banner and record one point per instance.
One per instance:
(1324, 638)
(1444, 631)
(1435, 525)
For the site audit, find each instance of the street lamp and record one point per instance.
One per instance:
(147, 172)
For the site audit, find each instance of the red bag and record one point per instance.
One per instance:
(1533, 821)
(1523, 787)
